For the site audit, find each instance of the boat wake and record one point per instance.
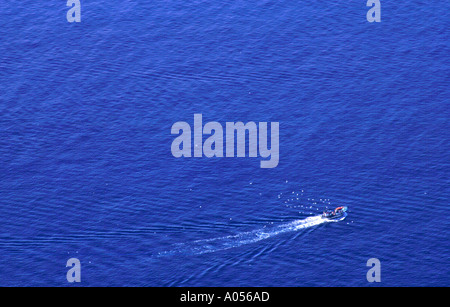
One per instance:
(222, 243)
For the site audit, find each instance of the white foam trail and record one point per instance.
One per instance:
(222, 243)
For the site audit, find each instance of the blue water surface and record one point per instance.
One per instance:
(86, 169)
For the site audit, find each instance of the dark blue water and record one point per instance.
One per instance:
(86, 169)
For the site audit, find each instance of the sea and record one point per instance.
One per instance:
(87, 171)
